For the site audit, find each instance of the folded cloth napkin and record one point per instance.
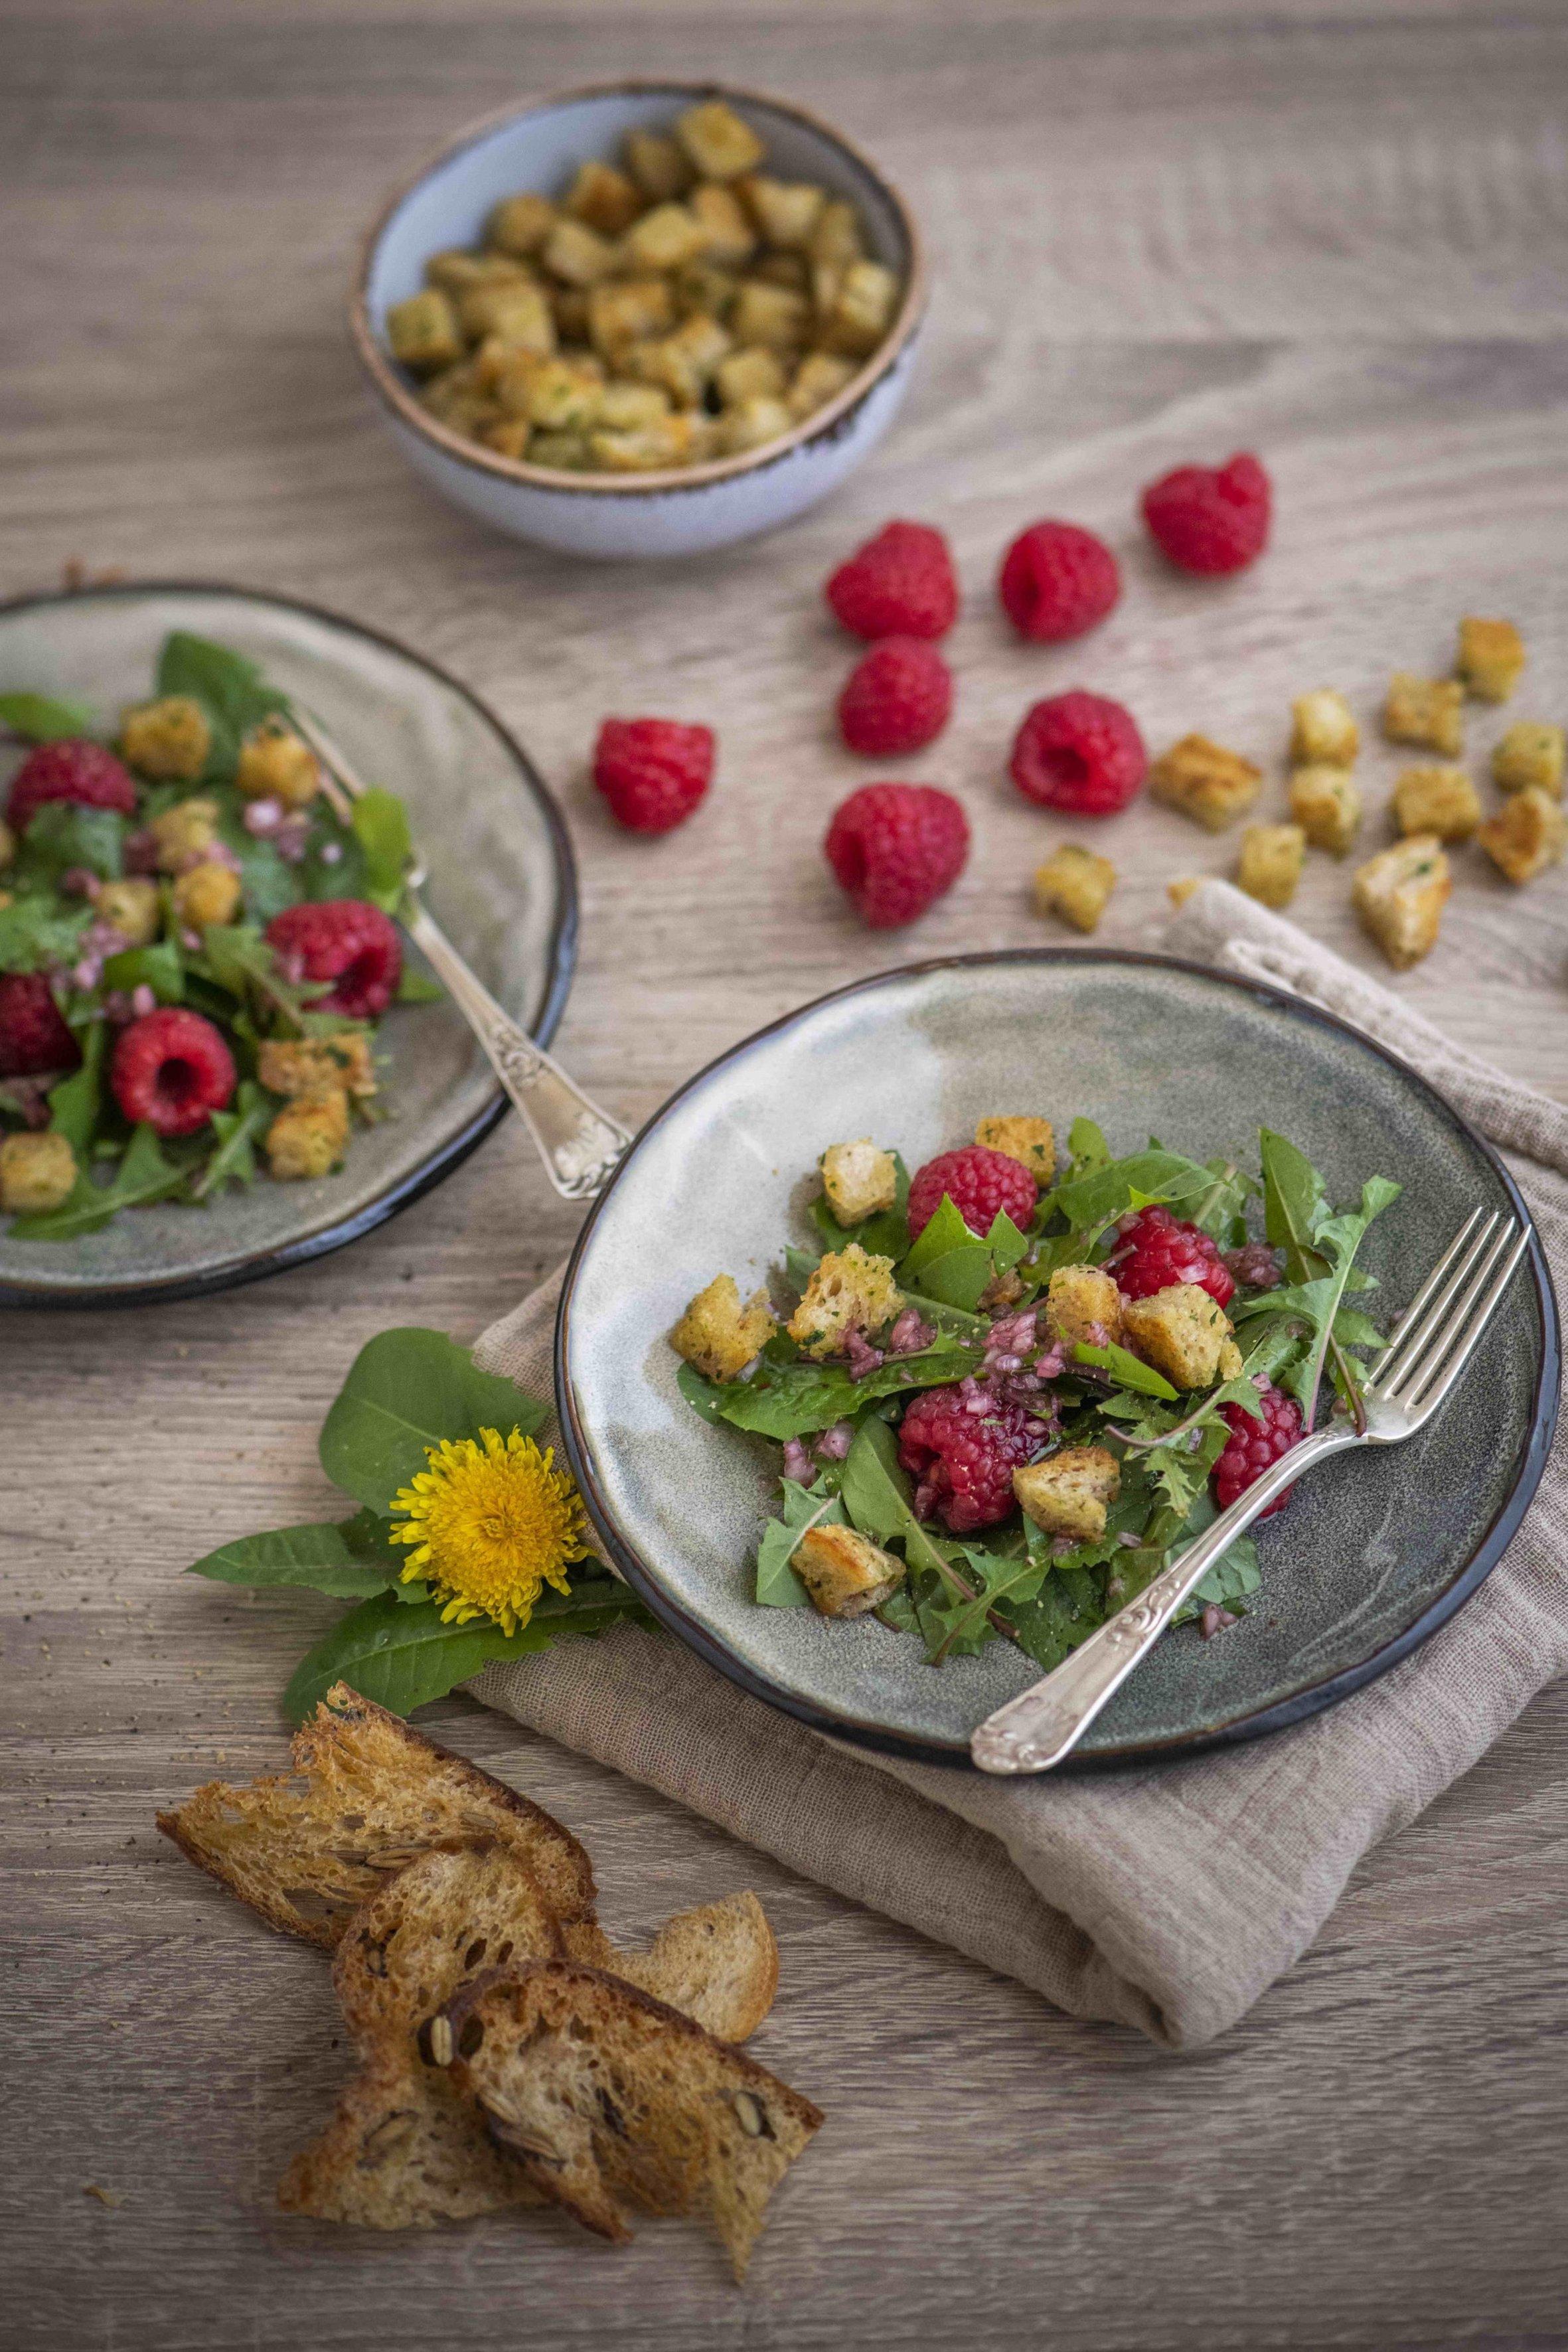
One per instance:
(1167, 1898)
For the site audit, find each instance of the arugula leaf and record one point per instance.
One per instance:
(41, 718)
(159, 966)
(36, 933)
(62, 834)
(1088, 1151)
(417, 987)
(379, 824)
(778, 1586)
(1128, 1371)
(876, 1493)
(953, 1265)
(351, 1559)
(145, 1173)
(238, 1131)
(230, 689)
(235, 958)
(1065, 1610)
(999, 1581)
(408, 1389)
(1319, 1249)
(785, 1400)
(1108, 1192)
(75, 1103)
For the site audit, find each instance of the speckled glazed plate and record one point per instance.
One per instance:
(501, 884)
(1375, 1551)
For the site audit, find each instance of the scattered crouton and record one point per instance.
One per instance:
(1323, 729)
(1068, 1494)
(1029, 1141)
(1529, 834)
(845, 1574)
(1530, 754)
(848, 1290)
(1269, 865)
(309, 1136)
(300, 1065)
(1491, 658)
(1082, 1302)
(1183, 1334)
(1429, 711)
(1437, 800)
(168, 740)
(858, 1179)
(718, 1337)
(1325, 802)
(1205, 781)
(1074, 883)
(37, 1173)
(1400, 895)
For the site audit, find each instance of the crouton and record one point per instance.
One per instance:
(718, 144)
(664, 238)
(1269, 865)
(845, 1574)
(1325, 802)
(603, 197)
(1205, 781)
(786, 211)
(627, 310)
(1437, 800)
(1181, 1332)
(205, 894)
(658, 164)
(750, 374)
(168, 740)
(1074, 883)
(131, 905)
(309, 1136)
(819, 378)
(1400, 895)
(1068, 1493)
(423, 332)
(718, 1335)
(728, 237)
(1323, 731)
(37, 1172)
(750, 423)
(1082, 1302)
(1491, 658)
(302, 1066)
(858, 1179)
(1425, 710)
(276, 765)
(670, 441)
(1182, 889)
(1530, 753)
(848, 1290)
(1528, 834)
(862, 309)
(517, 315)
(580, 256)
(185, 834)
(521, 225)
(1029, 1141)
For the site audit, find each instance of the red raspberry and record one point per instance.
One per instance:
(896, 849)
(343, 939)
(33, 1035)
(1079, 752)
(963, 1461)
(653, 772)
(978, 1182)
(1253, 1445)
(1161, 1249)
(1057, 581)
(900, 584)
(173, 1070)
(72, 769)
(896, 699)
(1209, 518)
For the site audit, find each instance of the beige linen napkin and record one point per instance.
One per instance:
(1168, 1898)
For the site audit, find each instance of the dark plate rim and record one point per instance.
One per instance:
(1256, 1723)
(257, 1265)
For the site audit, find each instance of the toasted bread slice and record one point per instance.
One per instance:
(404, 2150)
(718, 1964)
(597, 2091)
(368, 1795)
(431, 1927)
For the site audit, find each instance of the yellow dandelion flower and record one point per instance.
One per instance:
(491, 1522)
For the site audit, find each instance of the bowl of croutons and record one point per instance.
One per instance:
(639, 320)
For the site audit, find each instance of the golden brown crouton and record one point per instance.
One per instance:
(424, 333)
(1205, 781)
(603, 197)
(820, 377)
(304, 1065)
(717, 143)
(845, 1574)
(205, 894)
(579, 255)
(1068, 1494)
(848, 1290)
(862, 309)
(131, 907)
(750, 374)
(521, 225)
(516, 315)
(658, 164)
(786, 211)
(718, 1335)
(774, 316)
(728, 237)
(1029, 1141)
(664, 238)
(668, 441)
(37, 1172)
(1082, 1302)
(1269, 865)
(1181, 1332)
(168, 740)
(1530, 753)
(1491, 658)
(185, 834)
(1437, 800)
(1425, 710)
(1326, 803)
(1074, 883)
(309, 1136)
(627, 310)
(1400, 895)
(1323, 729)
(1182, 889)
(276, 765)
(751, 423)
(858, 1179)
(1528, 834)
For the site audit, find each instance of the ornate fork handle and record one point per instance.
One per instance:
(1040, 1726)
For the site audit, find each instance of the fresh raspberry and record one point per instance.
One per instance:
(1211, 519)
(1161, 1249)
(343, 939)
(72, 769)
(897, 698)
(1079, 752)
(173, 1070)
(978, 1182)
(653, 772)
(900, 584)
(1253, 1445)
(896, 849)
(33, 1035)
(1057, 581)
(962, 1451)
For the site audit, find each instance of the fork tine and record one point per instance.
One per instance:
(1426, 1361)
(1405, 1321)
(1433, 1300)
(1444, 1368)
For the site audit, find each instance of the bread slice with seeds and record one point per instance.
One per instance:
(598, 2092)
(404, 2150)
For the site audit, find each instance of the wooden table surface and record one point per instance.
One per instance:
(1161, 228)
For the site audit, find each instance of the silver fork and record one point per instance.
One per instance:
(1432, 1343)
(579, 1143)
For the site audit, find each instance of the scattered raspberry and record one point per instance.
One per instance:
(33, 1035)
(962, 1451)
(978, 1182)
(1253, 1446)
(346, 941)
(72, 770)
(900, 584)
(1057, 581)
(1208, 518)
(1158, 1249)
(897, 698)
(653, 772)
(173, 1070)
(1079, 752)
(896, 849)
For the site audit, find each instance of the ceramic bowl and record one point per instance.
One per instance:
(501, 885)
(680, 513)
(1373, 1551)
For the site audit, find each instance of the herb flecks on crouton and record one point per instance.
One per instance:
(1029, 1141)
(303, 1066)
(1074, 884)
(1269, 865)
(1429, 711)
(37, 1173)
(1529, 834)
(1082, 1302)
(1325, 802)
(1491, 658)
(168, 740)
(1437, 800)
(1400, 895)
(859, 1179)
(309, 1136)
(1530, 753)
(1323, 729)
(849, 1291)
(1069, 1494)
(718, 1335)
(845, 1574)
(1183, 1334)
(1205, 781)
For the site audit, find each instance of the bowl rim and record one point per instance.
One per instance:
(542, 1023)
(1253, 1724)
(396, 396)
